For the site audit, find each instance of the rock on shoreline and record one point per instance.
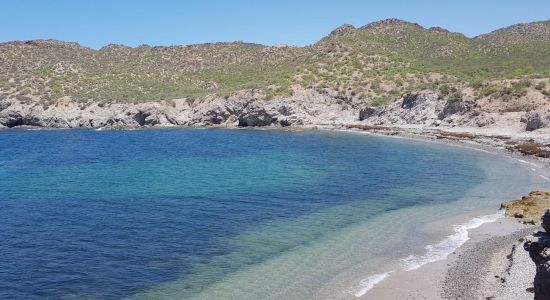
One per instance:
(483, 270)
(252, 108)
(242, 109)
(538, 246)
(528, 208)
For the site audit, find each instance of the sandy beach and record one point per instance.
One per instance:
(492, 264)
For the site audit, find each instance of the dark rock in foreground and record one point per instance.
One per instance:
(538, 246)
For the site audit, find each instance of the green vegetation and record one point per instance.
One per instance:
(377, 61)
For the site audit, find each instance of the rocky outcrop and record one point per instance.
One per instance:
(430, 108)
(411, 100)
(538, 246)
(252, 108)
(413, 108)
(536, 120)
(246, 109)
(455, 106)
(256, 116)
(529, 208)
(426, 108)
(366, 113)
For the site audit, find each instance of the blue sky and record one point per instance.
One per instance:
(96, 23)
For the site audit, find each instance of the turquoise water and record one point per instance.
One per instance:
(226, 214)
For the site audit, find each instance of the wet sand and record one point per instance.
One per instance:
(477, 270)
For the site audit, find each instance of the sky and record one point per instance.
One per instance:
(96, 23)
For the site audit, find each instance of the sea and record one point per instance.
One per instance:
(235, 214)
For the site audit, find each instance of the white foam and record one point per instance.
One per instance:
(527, 162)
(545, 178)
(368, 283)
(441, 250)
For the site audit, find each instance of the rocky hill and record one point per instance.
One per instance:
(338, 80)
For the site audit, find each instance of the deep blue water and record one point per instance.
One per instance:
(108, 214)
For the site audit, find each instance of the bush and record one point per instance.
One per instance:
(488, 90)
(520, 86)
(476, 84)
(456, 96)
(506, 91)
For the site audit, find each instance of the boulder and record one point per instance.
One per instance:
(256, 116)
(535, 120)
(366, 113)
(528, 208)
(455, 106)
(410, 100)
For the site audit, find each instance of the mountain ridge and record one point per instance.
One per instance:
(378, 61)
(387, 21)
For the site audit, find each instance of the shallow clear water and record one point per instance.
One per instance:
(232, 214)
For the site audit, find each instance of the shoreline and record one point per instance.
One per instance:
(478, 269)
(434, 280)
(437, 254)
(537, 164)
(492, 144)
(424, 282)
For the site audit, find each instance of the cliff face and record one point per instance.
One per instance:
(252, 108)
(390, 72)
(538, 246)
(527, 112)
(249, 108)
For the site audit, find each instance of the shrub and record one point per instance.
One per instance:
(456, 96)
(488, 90)
(520, 87)
(506, 91)
(476, 84)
